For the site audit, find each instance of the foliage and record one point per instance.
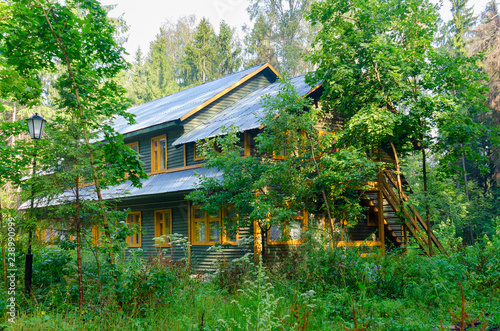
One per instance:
(279, 35)
(394, 292)
(257, 312)
(308, 176)
(209, 56)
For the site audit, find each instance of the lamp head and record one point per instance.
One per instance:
(36, 123)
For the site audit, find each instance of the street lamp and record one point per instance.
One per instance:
(36, 123)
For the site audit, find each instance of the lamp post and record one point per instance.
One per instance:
(36, 123)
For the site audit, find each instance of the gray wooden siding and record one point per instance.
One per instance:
(201, 259)
(207, 260)
(230, 98)
(362, 231)
(175, 155)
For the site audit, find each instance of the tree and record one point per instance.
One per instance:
(280, 35)
(157, 74)
(308, 177)
(77, 35)
(209, 56)
(379, 68)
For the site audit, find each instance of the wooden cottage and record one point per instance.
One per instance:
(165, 136)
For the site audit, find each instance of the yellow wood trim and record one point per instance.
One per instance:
(257, 242)
(229, 89)
(194, 166)
(185, 155)
(290, 242)
(358, 243)
(153, 160)
(157, 232)
(207, 220)
(196, 157)
(246, 143)
(224, 232)
(133, 144)
(139, 244)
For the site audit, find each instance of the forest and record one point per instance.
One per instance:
(402, 79)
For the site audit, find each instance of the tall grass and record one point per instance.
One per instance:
(312, 289)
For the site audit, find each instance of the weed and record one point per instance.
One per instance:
(465, 320)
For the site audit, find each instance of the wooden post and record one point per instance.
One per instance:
(257, 242)
(380, 206)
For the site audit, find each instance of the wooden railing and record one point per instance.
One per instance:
(410, 216)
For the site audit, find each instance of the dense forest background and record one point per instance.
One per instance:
(445, 85)
(463, 185)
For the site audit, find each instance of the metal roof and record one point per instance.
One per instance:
(171, 182)
(181, 104)
(245, 114)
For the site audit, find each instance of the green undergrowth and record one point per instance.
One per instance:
(310, 289)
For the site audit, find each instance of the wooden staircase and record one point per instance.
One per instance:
(400, 219)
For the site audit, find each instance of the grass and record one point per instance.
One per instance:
(314, 290)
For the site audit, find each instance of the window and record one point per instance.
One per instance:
(205, 227)
(279, 154)
(159, 154)
(134, 146)
(199, 145)
(197, 153)
(230, 233)
(135, 239)
(247, 144)
(289, 234)
(163, 226)
(96, 234)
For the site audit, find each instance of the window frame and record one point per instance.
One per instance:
(286, 229)
(131, 146)
(130, 239)
(199, 143)
(225, 239)
(157, 228)
(155, 160)
(134, 144)
(207, 226)
(96, 234)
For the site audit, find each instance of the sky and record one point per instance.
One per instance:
(145, 17)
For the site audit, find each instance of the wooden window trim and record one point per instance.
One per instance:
(134, 144)
(369, 221)
(96, 234)
(224, 231)
(154, 161)
(196, 156)
(157, 228)
(139, 234)
(207, 220)
(287, 229)
(247, 140)
(131, 146)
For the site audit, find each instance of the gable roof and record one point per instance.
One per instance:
(183, 104)
(245, 114)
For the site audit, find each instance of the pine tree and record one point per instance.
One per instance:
(280, 35)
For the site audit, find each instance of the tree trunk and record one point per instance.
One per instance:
(466, 185)
(427, 210)
(325, 200)
(79, 245)
(91, 154)
(4, 261)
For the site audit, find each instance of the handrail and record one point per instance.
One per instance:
(391, 198)
(413, 210)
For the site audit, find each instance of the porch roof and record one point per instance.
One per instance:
(184, 180)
